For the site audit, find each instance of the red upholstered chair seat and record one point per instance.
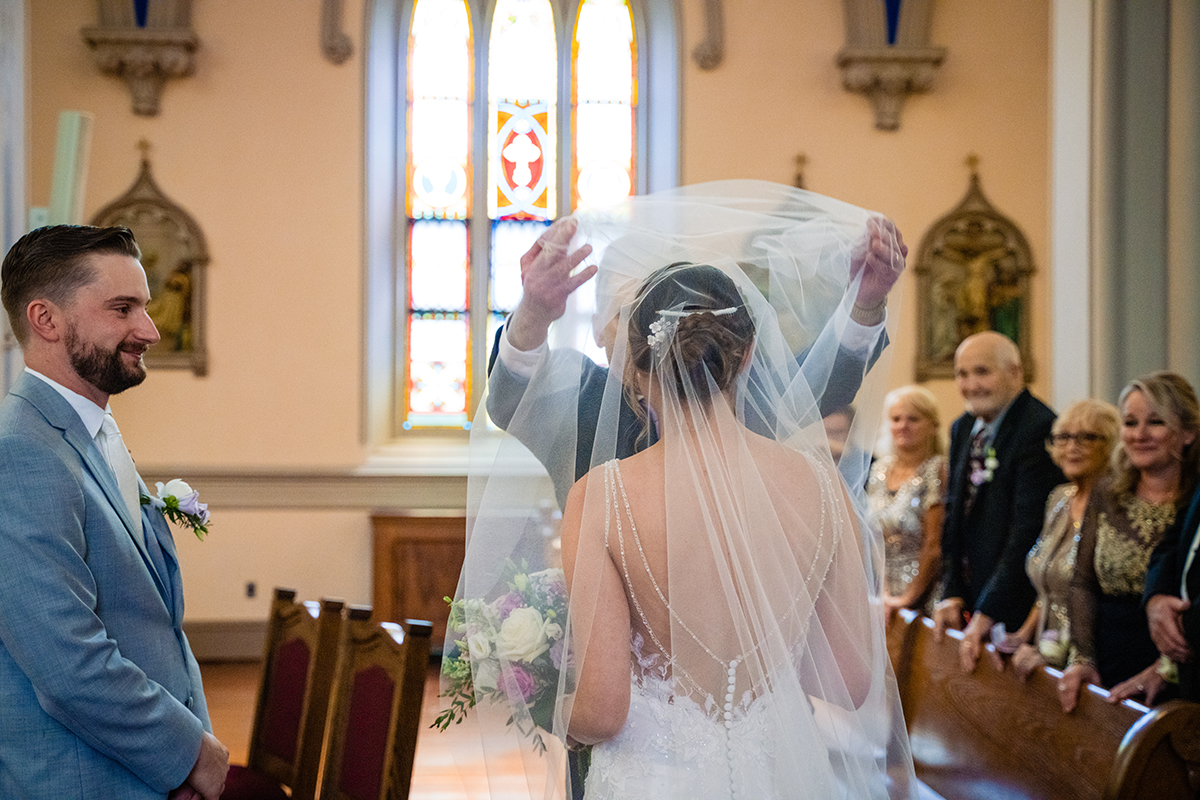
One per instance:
(244, 783)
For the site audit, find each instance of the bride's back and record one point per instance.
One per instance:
(753, 527)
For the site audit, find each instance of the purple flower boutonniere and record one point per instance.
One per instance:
(982, 473)
(180, 504)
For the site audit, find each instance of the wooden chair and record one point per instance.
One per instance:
(299, 665)
(376, 709)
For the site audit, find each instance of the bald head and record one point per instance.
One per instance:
(987, 372)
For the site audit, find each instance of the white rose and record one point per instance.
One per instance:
(479, 646)
(522, 636)
(176, 488)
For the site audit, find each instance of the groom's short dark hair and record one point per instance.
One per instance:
(51, 263)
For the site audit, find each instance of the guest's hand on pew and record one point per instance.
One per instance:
(947, 614)
(1072, 681)
(1165, 614)
(1147, 683)
(978, 630)
(1026, 660)
(891, 605)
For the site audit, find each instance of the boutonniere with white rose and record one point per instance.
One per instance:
(180, 504)
(983, 473)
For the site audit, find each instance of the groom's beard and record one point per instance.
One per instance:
(104, 369)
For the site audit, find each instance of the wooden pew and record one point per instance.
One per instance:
(987, 736)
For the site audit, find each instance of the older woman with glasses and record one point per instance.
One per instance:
(1080, 443)
(1155, 470)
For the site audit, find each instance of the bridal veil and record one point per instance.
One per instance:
(725, 573)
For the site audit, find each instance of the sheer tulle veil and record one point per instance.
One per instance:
(725, 573)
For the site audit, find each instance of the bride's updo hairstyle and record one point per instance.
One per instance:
(706, 343)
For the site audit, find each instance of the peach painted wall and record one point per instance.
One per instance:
(263, 146)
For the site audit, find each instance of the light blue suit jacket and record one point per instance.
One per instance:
(100, 695)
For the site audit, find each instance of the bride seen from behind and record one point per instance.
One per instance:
(723, 635)
(717, 578)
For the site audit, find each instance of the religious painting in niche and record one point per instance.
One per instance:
(175, 257)
(973, 274)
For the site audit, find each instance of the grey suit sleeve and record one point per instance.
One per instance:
(50, 628)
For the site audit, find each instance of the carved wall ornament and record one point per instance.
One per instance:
(973, 274)
(335, 44)
(175, 257)
(887, 55)
(145, 43)
(709, 54)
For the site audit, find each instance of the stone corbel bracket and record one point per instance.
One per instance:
(144, 56)
(888, 59)
(887, 76)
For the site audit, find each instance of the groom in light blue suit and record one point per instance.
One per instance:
(100, 695)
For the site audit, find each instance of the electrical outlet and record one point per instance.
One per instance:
(251, 589)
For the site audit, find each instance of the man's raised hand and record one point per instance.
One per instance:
(548, 277)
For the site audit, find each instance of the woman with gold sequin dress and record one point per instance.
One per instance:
(905, 494)
(1081, 443)
(1156, 468)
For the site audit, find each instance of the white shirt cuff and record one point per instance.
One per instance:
(521, 363)
(857, 338)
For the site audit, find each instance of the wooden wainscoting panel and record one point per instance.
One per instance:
(417, 561)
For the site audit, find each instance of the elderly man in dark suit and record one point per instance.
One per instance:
(1172, 581)
(1000, 476)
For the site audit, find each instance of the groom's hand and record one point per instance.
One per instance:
(207, 777)
(547, 281)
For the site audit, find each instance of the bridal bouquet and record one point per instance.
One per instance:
(511, 650)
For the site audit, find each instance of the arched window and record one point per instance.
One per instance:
(486, 121)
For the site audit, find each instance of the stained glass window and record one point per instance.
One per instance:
(438, 202)
(454, 259)
(604, 98)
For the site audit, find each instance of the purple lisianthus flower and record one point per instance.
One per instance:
(556, 653)
(190, 504)
(517, 683)
(508, 603)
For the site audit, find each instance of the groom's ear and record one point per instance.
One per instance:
(45, 320)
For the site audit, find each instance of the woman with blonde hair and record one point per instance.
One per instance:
(1155, 470)
(905, 493)
(1081, 444)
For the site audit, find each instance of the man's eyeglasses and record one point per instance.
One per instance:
(1083, 439)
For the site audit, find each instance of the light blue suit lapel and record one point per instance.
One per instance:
(156, 525)
(58, 412)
